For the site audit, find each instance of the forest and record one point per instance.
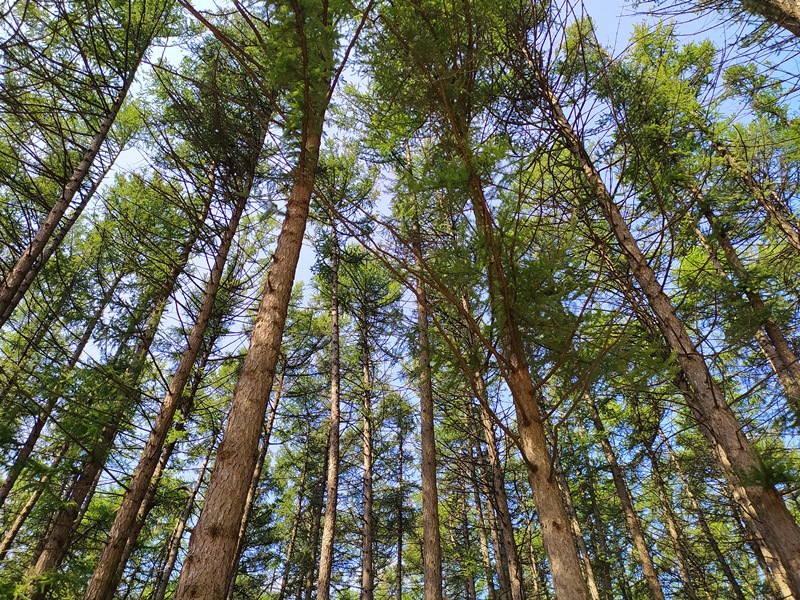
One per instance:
(399, 300)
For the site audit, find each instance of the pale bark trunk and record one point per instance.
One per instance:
(367, 522)
(44, 414)
(251, 494)
(773, 342)
(598, 535)
(673, 528)
(499, 496)
(482, 539)
(431, 544)
(761, 503)
(631, 516)
(332, 492)
(102, 578)
(785, 13)
(594, 592)
(14, 279)
(174, 545)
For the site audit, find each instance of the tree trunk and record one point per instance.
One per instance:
(672, 526)
(431, 544)
(772, 340)
(332, 491)
(631, 517)
(482, 528)
(14, 279)
(19, 521)
(44, 414)
(594, 592)
(102, 578)
(367, 522)
(769, 517)
(174, 545)
(251, 494)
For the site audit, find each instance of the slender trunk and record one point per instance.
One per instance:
(102, 578)
(332, 491)
(672, 526)
(367, 522)
(295, 524)
(431, 544)
(311, 575)
(44, 414)
(773, 342)
(55, 241)
(598, 534)
(251, 494)
(624, 494)
(760, 503)
(400, 522)
(14, 279)
(174, 545)
(711, 539)
(482, 528)
(499, 496)
(573, 517)
(22, 516)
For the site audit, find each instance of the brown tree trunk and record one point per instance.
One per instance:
(631, 517)
(701, 519)
(19, 520)
(251, 494)
(207, 569)
(102, 579)
(499, 496)
(594, 592)
(332, 492)
(761, 502)
(174, 545)
(14, 279)
(785, 13)
(482, 539)
(44, 414)
(431, 539)
(673, 527)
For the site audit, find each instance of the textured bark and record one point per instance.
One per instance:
(332, 491)
(251, 493)
(431, 539)
(761, 504)
(101, 583)
(594, 592)
(482, 539)
(174, 545)
(207, 569)
(628, 507)
(785, 13)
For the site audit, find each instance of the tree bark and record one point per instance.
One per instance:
(761, 502)
(431, 544)
(628, 507)
(102, 579)
(367, 520)
(332, 491)
(174, 545)
(251, 494)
